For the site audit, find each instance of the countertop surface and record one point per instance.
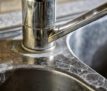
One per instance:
(71, 64)
(63, 59)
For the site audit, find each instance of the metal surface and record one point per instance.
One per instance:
(89, 44)
(79, 22)
(37, 36)
(37, 78)
(38, 23)
(39, 30)
(12, 55)
(15, 30)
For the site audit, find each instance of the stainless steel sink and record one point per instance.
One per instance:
(89, 44)
(37, 78)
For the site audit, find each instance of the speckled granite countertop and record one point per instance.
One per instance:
(71, 64)
(63, 60)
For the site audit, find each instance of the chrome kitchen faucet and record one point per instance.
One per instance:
(39, 28)
(37, 62)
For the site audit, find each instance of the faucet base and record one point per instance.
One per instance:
(11, 51)
(51, 47)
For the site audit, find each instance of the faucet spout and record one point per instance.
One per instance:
(79, 22)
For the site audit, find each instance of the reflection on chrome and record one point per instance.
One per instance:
(39, 30)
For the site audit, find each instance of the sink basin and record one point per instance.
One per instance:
(89, 44)
(37, 78)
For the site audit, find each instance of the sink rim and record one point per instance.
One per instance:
(68, 46)
(53, 70)
(70, 49)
